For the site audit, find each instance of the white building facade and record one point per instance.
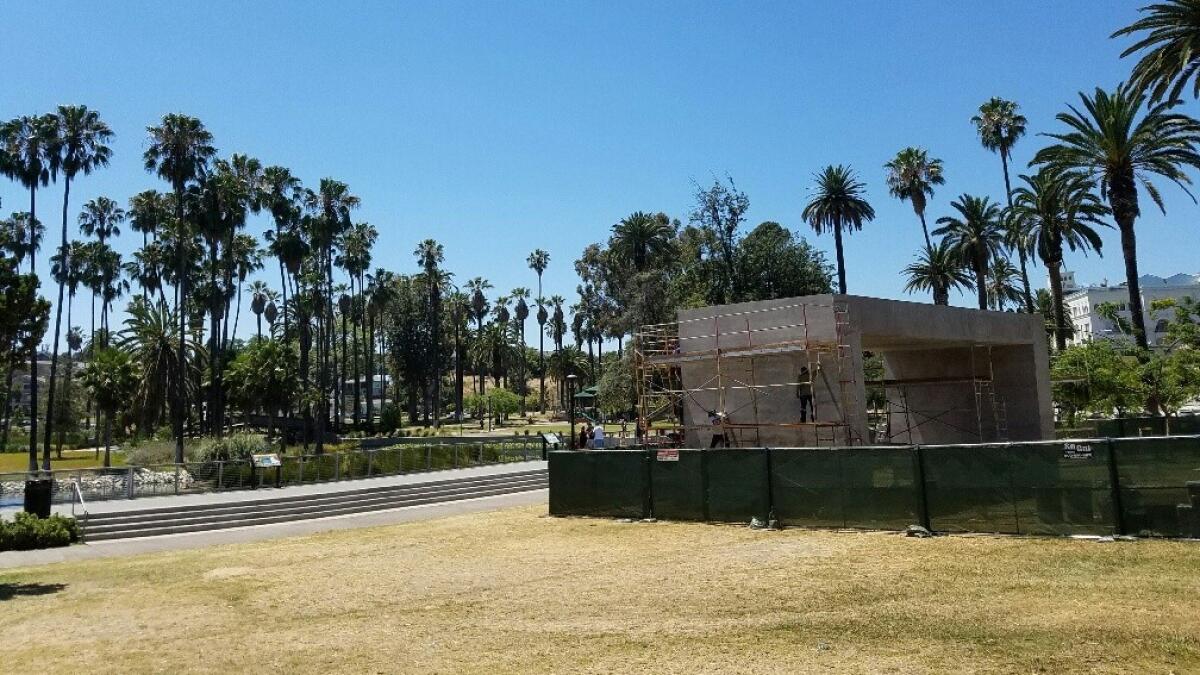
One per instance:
(1082, 302)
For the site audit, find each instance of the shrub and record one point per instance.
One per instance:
(236, 446)
(390, 417)
(27, 532)
(149, 453)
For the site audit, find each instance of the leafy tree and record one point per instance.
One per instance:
(1002, 280)
(937, 269)
(111, 378)
(641, 236)
(1000, 126)
(838, 205)
(1098, 377)
(150, 339)
(1170, 34)
(974, 236)
(616, 392)
(911, 175)
(1108, 140)
(774, 263)
(263, 376)
(720, 211)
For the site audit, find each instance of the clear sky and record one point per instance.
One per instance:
(498, 127)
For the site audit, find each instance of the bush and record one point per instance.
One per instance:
(236, 446)
(28, 532)
(390, 418)
(149, 453)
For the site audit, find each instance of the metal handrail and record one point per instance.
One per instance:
(78, 490)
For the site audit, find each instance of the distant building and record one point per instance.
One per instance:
(1082, 302)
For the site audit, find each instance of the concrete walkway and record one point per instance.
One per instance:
(236, 496)
(121, 547)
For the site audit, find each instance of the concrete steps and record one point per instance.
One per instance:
(199, 517)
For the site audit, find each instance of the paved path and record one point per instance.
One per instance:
(170, 542)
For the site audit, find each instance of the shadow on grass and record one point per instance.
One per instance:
(10, 591)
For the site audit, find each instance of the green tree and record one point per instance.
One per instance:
(263, 376)
(430, 255)
(1108, 140)
(1098, 377)
(1003, 279)
(1170, 35)
(179, 152)
(838, 205)
(937, 269)
(28, 156)
(1000, 126)
(974, 236)
(911, 175)
(111, 378)
(641, 236)
(774, 263)
(720, 211)
(1058, 209)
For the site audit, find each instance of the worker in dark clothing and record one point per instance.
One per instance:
(717, 421)
(804, 392)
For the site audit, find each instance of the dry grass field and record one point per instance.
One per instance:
(514, 591)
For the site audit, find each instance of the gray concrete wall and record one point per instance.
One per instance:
(917, 341)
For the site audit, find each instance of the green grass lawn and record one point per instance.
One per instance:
(515, 591)
(12, 462)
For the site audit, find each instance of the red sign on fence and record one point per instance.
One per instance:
(668, 455)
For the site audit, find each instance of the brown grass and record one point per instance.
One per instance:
(513, 591)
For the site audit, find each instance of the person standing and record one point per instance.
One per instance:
(804, 392)
(717, 421)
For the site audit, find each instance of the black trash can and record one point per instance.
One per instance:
(38, 493)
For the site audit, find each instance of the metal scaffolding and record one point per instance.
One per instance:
(722, 353)
(988, 409)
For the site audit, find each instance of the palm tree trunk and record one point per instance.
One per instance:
(1054, 268)
(370, 350)
(66, 395)
(841, 260)
(1129, 251)
(981, 279)
(62, 251)
(33, 370)
(357, 369)
(1026, 293)
(181, 356)
(925, 229)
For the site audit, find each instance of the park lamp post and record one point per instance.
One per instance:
(571, 406)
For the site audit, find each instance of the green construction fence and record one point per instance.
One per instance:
(1092, 486)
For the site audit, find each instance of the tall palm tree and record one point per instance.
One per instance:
(148, 210)
(281, 194)
(259, 296)
(838, 205)
(479, 311)
(520, 314)
(502, 315)
(1000, 126)
(937, 269)
(1171, 58)
(430, 255)
(641, 236)
(1003, 284)
(1109, 141)
(459, 304)
(27, 145)
(80, 145)
(1058, 209)
(975, 236)
(558, 331)
(911, 177)
(538, 261)
(179, 152)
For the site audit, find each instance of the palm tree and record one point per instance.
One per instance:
(538, 261)
(558, 331)
(838, 205)
(937, 269)
(641, 236)
(459, 304)
(975, 237)
(1000, 126)
(244, 257)
(1172, 31)
(1108, 141)
(112, 378)
(1058, 208)
(259, 296)
(281, 194)
(430, 255)
(148, 210)
(502, 315)
(180, 149)
(27, 145)
(521, 313)
(80, 145)
(1003, 284)
(911, 177)
(479, 311)
(149, 337)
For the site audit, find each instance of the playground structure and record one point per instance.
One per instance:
(789, 373)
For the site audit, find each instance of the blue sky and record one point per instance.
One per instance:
(499, 127)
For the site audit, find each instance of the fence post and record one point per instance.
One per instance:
(456, 456)
(648, 507)
(176, 479)
(370, 463)
(1114, 479)
(337, 466)
(922, 498)
(428, 458)
(704, 484)
(220, 473)
(770, 488)
(129, 491)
